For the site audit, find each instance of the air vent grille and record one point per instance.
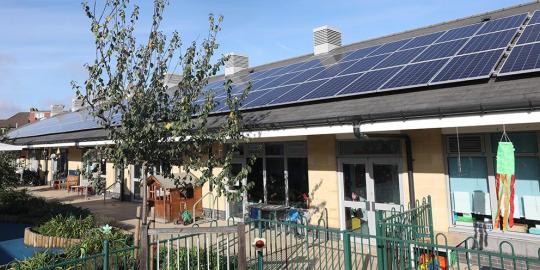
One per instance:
(467, 144)
(327, 35)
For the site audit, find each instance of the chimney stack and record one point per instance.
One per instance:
(76, 104)
(325, 39)
(56, 109)
(235, 63)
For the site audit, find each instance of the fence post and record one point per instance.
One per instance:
(430, 220)
(347, 250)
(105, 254)
(379, 234)
(260, 264)
(241, 231)
(144, 248)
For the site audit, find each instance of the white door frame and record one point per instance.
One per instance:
(241, 161)
(132, 181)
(369, 205)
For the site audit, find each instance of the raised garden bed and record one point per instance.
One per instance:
(35, 239)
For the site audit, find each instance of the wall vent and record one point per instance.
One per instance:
(467, 144)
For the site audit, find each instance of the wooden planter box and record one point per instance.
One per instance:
(34, 239)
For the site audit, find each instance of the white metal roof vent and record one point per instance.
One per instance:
(76, 104)
(325, 39)
(235, 63)
(57, 109)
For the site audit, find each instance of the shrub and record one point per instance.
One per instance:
(8, 171)
(21, 207)
(37, 261)
(66, 226)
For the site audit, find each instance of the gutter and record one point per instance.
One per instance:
(408, 154)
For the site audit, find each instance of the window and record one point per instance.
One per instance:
(298, 182)
(471, 174)
(279, 175)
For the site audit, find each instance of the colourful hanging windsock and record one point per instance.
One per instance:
(505, 181)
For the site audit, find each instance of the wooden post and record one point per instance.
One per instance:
(137, 236)
(242, 264)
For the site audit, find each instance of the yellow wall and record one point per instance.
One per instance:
(323, 178)
(110, 176)
(74, 158)
(429, 174)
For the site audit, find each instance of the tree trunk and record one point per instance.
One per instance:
(144, 228)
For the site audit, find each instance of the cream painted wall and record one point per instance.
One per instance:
(429, 174)
(110, 176)
(323, 178)
(74, 158)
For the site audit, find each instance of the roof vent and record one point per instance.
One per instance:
(235, 63)
(76, 104)
(56, 109)
(325, 39)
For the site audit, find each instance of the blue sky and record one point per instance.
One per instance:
(44, 44)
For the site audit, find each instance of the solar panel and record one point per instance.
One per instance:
(333, 70)
(298, 92)
(470, 66)
(364, 64)
(422, 40)
(489, 41)
(370, 81)
(415, 74)
(282, 79)
(400, 57)
(331, 87)
(531, 34)
(305, 75)
(268, 96)
(253, 95)
(461, 32)
(441, 50)
(360, 53)
(307, 65)
(535, 18)
(503, 23)
(525, 58)
(390, 47)
(256, 85)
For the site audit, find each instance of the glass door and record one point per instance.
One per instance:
(354, 189)
(368, 185)
(236, 209)
(136, 176)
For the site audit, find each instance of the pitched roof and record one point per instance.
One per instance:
(513, 93)
(16, 120)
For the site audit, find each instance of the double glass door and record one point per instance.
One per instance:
(368, 185)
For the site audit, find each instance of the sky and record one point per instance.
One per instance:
(44, 44)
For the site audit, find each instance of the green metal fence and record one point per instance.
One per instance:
(404, 239)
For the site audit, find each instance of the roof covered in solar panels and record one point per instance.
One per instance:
(472, 49)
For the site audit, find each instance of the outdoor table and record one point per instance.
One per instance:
(269, 208)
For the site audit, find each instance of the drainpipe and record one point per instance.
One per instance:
(408, 154)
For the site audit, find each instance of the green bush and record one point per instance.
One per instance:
(91, 244)
(20, 207)
(182, 259)
(66, 226)
(37, 261)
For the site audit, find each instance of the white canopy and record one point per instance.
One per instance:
(8, 147)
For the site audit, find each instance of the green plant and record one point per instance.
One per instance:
(19, 206)
(8, 174)
(30, 177)
(179, 260)
(66, 226)
(37, 261)
(92, 242)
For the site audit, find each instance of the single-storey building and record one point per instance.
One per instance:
(351, 129)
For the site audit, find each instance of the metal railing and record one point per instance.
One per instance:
(404, 239)
(198, 248)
